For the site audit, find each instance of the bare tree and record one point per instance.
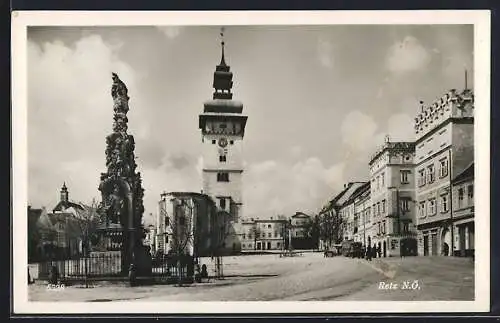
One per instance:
(182, 228)
(222, 225)
(88, 219)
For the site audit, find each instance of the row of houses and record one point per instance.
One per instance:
(58, 233)
(192, 223)
(419, 198)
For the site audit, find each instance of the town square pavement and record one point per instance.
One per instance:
(309, 277)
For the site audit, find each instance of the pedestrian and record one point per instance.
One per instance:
(369, 253)
(374, 250)
(379, 251)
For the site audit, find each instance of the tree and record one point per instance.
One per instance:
(182, 228)
(330, 227)
(222, 225)
(312, 231)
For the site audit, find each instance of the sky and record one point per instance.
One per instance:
(319, 100)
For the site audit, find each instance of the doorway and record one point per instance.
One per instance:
(426, 245)
(434, 244)
(258, 246)
(269, 246)
(385, 248)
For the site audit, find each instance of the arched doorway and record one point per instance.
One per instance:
(385, 249)
(445, 246)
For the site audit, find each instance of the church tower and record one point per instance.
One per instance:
(64, 193)
(222, 126)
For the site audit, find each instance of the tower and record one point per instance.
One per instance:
(222, 126)
(64, 193)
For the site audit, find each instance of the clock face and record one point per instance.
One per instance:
(223, 142)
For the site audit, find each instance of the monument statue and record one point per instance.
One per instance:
(121, 186)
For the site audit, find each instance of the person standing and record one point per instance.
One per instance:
(369, 253)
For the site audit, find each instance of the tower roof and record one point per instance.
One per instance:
(223, 77)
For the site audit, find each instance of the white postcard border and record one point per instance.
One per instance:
(22, 19)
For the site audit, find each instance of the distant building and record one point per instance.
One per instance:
(362, 216)
(150, 239)
(59, 233)
(463, 211)
(187, 223)
(444, 149)
(264, 234)
(334, 215)
(392, 198)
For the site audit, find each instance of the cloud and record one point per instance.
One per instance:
(170, 32)
(361, 134)
(358, 131)
(325, 53)
(69, 115)
(272, 187)
(407, 56)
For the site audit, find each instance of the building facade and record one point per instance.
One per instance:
(332, 215)
(264, 234)
(444, 148)
(187, 223)
(222, 126)
(463, 215)
(362, 216)
(392, 199)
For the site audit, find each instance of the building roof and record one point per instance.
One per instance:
(399, 146)
(300, 215)
(466, 174)
(63, 205)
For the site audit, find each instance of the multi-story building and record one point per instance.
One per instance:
(334, 215)
(444, 148)
(362, 219)
(347, 209)
(222, 126)
(392, 196)
(264, 234)
(463, 211)
(187, 224)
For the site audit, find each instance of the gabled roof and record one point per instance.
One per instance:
(467, 173)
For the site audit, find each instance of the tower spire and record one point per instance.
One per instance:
(466, 79)
(223, 77)
(222, 60)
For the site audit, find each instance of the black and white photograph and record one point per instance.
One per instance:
(281, 162)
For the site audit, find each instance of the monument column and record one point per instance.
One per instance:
(121, 189)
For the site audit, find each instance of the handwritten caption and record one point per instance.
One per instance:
(404, 285)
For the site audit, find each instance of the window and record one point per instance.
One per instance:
(470, 193)
(269, 226)
(166, 238)
(213, 141)
(278, 245)
(222, 158)
(382, 179)
(443, 167)
(421, 210)
(231, 142)
(167, 220)
(444, 203)
(383, 206)
(378, 207)
(431, 206)
(430, 174)
(269, 235)
(460, 197)
(421, 177)
(244, 246)
(222, 203)
(405, 204)
(378, 182)
(222, 177)
(406, 227)
(275, 234)
(383, 227)
(244, 236)
(404, 176)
